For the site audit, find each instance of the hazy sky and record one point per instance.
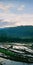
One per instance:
(16, 12)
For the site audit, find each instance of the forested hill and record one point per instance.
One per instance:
(16, 34)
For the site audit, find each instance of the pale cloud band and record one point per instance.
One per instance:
(7, 7)
(16, 20)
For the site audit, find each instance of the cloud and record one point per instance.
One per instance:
(6, 23)
(21, 7)
(7, 20)
(6, 8)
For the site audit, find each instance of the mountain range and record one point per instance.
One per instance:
(16, 34)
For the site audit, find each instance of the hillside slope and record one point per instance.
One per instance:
(20, 33)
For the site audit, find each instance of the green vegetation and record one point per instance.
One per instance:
(6, 52)
(17, 34)
(18, 40)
